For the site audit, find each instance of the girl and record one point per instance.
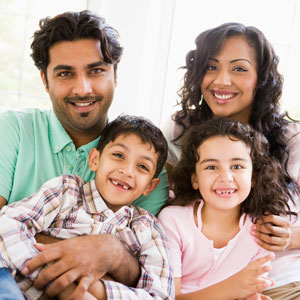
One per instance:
(232, 73)
(224, 181)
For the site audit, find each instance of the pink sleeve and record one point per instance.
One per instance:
(167, 218)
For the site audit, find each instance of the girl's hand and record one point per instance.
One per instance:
(273, 233)
(250, 281)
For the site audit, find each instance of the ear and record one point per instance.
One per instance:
(94, 156)
(151, 186)
(42, 74)
(194, 181)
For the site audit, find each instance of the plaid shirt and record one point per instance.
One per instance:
(66, 207)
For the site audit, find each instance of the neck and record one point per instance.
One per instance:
(84, 137)
(220, 218)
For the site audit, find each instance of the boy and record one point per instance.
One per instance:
(129, 157)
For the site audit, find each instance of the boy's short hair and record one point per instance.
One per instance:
(143, 128)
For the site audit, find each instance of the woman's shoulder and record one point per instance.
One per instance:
(293, 133)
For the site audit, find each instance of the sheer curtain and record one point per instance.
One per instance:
(156, 35)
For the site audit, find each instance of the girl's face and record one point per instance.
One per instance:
(230, 79)
(223, 173)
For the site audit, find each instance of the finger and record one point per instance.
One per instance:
(268, 228)
(276, 220)
(59, 284)
(44, 257)
(82, 288)
(270, 247)
(42, 247)
(262, 260)
(51, 272)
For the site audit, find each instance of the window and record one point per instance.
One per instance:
(156, 35)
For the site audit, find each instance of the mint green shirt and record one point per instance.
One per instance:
(35, 148)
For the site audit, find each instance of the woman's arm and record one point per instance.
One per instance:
(275, 233)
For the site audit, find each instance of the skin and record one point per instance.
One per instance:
(233, 72)
(124, 170)
(224, 180)
(81, 78)
(230, 79)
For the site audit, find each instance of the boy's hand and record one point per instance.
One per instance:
(249, 281)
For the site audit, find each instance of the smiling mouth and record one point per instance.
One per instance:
(82, 104)
(225, 192)
(120, 184)
(223, 97)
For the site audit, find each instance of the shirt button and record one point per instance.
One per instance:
(107, 213)
(68, 148)
(56, 147)
(70, 167)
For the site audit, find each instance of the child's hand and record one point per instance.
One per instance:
(250, 280)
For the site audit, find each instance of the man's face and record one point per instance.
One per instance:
(81, 86)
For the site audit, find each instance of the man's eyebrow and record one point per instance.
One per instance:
(97, 64)
(232, 61)
(89, 66)
(62, 67)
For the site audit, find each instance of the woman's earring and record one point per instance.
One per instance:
(201, 100)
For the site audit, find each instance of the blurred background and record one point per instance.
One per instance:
(156, 35)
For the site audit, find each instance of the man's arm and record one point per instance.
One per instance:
(85, 259)
(2, 201)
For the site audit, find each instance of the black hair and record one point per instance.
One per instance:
(72, 26)
(267, 195)
(143, 128)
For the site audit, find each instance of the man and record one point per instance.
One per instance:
(77, 55)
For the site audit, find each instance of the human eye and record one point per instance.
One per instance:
(210, 167)
(211, 68)
(118, 155)
(64, 74)
(97, 71)
(237, 167)
(240, 69)
(143, 167)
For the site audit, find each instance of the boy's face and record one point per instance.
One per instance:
(124, 170)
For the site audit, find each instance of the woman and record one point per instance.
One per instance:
(233, 73)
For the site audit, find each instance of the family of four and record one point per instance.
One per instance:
(79, 194)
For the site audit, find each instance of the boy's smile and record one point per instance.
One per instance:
(124, 170)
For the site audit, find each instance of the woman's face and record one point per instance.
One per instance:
(230, 79)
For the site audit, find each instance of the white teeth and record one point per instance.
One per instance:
(227, 192)
(223, 96)
(125, 187)
(83, 104)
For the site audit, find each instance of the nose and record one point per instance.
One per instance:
(126, 169)
(82, 86)
(223, 78)
(225, 175)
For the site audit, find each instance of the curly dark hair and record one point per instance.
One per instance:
(71, 26)
(143, 128)
(265, 116)
(267, 195)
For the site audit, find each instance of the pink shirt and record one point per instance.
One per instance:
(286, 265)
(192, 253)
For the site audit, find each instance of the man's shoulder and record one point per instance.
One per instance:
(30, 115)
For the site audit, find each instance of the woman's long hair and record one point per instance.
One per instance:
(265, 116)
